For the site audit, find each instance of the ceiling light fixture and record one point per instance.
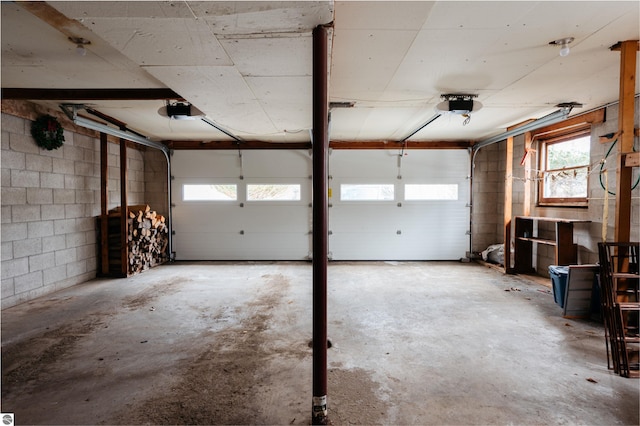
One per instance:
(80, 45)
(564, 45)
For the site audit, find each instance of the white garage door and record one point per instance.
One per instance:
(387, 207)
(250, 207)
(258, 206)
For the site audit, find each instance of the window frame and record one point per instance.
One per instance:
(555, 138)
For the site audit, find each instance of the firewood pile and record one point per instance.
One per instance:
(147, 239)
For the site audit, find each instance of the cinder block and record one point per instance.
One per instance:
(51, 180)
(23, 143)
(53, 275)
(74, 153)
(25, 213)
(86, 142)
(86, 224)
(75, 239)
(7, 288)
(84, 196)
(14, 232)
(13, 160)
(38, 163)
(63, 166)
(39, 196)
(53, 212)
(25, 179)
(13, 124)
(5, 177)
(41, 262)
(28, 282)
(65, 256)
(92, 183)
(72, 211)
(14, 196)
(53, 243)
(15, 267)
(86, 251)
(92, 266)
(40, 229)
(4, 140)
(28, 247)
(64, 196)
(76, 268)
(7, 250)
(73, 182)
(64, 226)
(86, 169)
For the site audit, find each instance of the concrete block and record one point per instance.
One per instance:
(53, 243)
(73, 182)
(14, 196)
(91, 156)
(53, 275)
(92, 266)
(55, 153)
(5, 177)
(51, 180)
(28, 247)
(86, 142)
(39, 163)
(53, 212)
(6, 250)
(92, 183)
(84, 196)
(76, 268)
(15, 267)
(7, 288)
(64, 226)
(91, 236)
(40, 229)
(25, 213)
(28, 282)
(14, 232)
(13, 160)
(65, 256)
(72, 211)
(25, 179)
(39, 196)
(86, 224)
(4, 140)
(86, 169)
(64, 196)
(75, 239)
(86, 251)
(63, 166)
(13, 124)
(74, 153)
(41, 262)
(23, 143)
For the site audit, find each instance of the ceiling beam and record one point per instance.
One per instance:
(194, 145)
(400, 144)
(89, 94)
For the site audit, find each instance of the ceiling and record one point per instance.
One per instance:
(248, 65)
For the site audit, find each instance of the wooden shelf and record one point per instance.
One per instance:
(566, 252)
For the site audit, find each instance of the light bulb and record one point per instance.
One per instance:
(80, 50)
(564, 50)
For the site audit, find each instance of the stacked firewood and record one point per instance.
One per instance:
(147, 240)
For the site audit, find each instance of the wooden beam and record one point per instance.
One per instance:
(89, 94)
(526, 203)
(508, 204)
(592, 117)
(124, 214)
(187, 145)
(632, 159)
(626, 118)
(104, 196)
(399, 145)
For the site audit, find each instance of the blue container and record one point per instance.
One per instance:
(559, 275)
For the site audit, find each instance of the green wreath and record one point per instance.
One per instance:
(47, 132)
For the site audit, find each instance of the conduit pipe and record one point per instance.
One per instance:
(133, 137)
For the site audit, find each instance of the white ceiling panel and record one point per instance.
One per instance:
(381, 15)
(274, 56)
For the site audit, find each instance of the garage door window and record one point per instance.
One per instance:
(366, 192)
(430, 192)
(273, 192)
(208, 192)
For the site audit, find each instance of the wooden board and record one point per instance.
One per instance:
(577, 299)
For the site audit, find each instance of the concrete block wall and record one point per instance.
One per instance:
(50, 201)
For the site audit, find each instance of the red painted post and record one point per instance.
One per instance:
(320, 149)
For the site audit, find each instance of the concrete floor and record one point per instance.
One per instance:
(224, 343)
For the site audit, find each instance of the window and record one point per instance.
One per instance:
(207, 192)
(417, 192)
(564, 170)
(273, 192)
(366, 192)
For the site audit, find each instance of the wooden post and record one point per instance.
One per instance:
(508, 204)
(104, 195)
(123, 209)
(628, 51)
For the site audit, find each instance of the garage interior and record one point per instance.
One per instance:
(229, 212)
